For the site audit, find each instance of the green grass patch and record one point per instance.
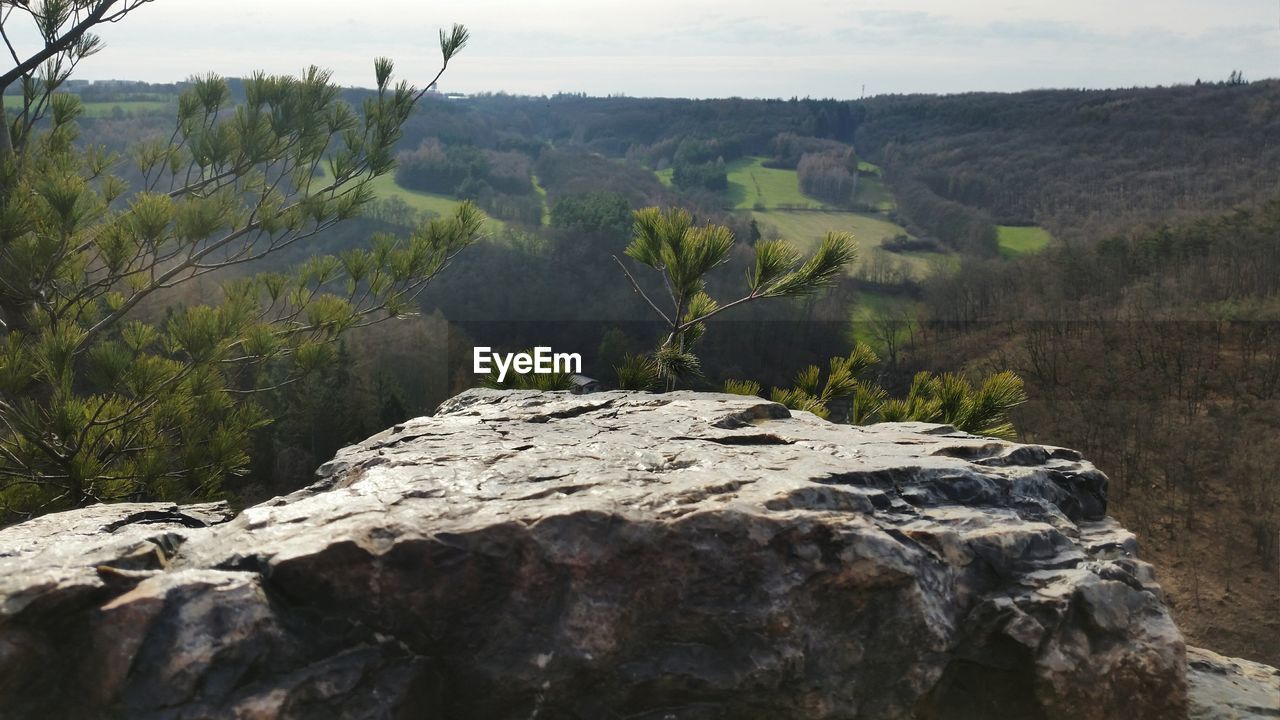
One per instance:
(1016, 241)
(872, 193)
(751, 184)
(807, 228)
(542, 195)
(385, 187)
(128, 107)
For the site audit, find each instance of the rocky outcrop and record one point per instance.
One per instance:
(682, 556)
(1225, 688)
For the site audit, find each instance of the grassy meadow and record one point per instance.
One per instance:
(871, 192)
(753, 185)
(385, 187)
(1015, 241)
(806, 228)
(129, 107)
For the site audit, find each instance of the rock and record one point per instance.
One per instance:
(1225, 688)
(555, 556)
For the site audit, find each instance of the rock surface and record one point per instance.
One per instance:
(682, 556)
(1225, 688)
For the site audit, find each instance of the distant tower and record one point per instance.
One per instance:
(864, 91)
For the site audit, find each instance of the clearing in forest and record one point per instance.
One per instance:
(385, 187)
(806, 228)
(1021, 240)
(753, 185)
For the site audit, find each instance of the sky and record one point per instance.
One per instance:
(708, 48)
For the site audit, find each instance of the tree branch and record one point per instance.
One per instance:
(635, 286)
(61, 43)
(686, 325)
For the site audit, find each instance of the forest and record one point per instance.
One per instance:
(1117, 250)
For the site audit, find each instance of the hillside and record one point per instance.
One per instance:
(971, 211)
(361, 392)
(1084, 163)
(1159, 355)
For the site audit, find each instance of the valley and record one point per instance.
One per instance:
(995, 232)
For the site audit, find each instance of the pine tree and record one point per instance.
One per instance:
(682, 253)
(948, 398)
(98, 403)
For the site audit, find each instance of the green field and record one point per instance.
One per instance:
(442, 205)
(129, 107)
(385, 187)
(1015, 241)
(542, 194)
(751, 184)
(806, 228)
(872, 192)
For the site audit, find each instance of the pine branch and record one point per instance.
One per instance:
(67, 39)
(636, 286)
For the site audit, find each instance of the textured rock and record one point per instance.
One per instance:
(1231, 689)
(683, 556)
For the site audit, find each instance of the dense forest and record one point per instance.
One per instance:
(1157, 353)
(1119, 250)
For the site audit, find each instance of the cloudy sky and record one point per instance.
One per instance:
(711, 48)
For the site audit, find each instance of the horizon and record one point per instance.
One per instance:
(716, 49)
(623, 96)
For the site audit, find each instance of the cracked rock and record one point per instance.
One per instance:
(618, 555)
